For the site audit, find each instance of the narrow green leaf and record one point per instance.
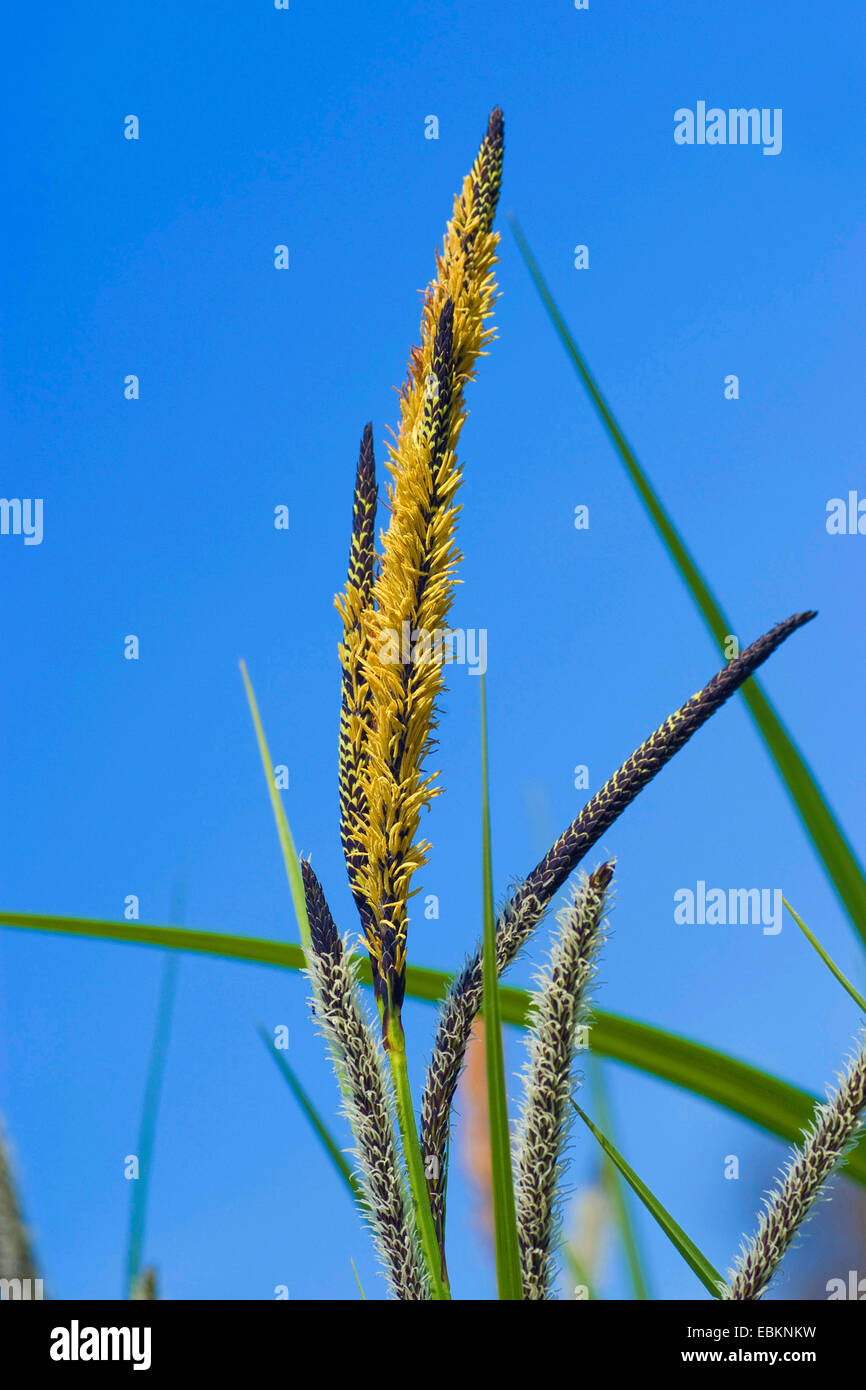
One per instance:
(633, 1255)
(508, 1276)
(831, 964)
(830, 843)
(319, 1126)
(287, 844)
(772, 1104)
(358, 1280)
(708, 1276)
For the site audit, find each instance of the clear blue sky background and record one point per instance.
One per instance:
(155, 257)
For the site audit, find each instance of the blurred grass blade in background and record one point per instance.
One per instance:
(138, 1281)
(708, 1276)
(508, 1276)
(839, 860)
(145, 1287)
(764, 1099)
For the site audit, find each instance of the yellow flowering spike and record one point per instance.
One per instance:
(403, 626)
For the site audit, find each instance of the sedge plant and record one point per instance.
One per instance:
(394, 610)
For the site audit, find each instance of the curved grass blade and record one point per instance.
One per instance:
(320, 1128)
(508, 1277)
(840, 862)
(287, 844)
(616, 1192)
(828, 961)
(708, 1276)
(766, 1101)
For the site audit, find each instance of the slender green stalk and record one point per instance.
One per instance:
(508, 1276)
(396, 1044)
(831, 964)
(287, 844)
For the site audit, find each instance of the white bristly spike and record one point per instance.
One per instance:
(557, 1009)
(834, 1128)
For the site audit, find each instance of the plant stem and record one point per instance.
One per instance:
(414, 1162)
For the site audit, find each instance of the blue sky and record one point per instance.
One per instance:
(155, 257)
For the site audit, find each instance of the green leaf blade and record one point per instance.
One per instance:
(763, 1099)
(709, 1277)
(616, 1192)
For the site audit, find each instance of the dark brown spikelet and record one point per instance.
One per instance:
(487, 176)
(607, 805)
(323, 929)
(529, 901)
(414, 588)
(355, 701)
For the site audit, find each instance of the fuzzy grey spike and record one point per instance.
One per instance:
(16, 1253)
(556, 1011)
(530, 899)
(368, 1107)
(835, 1126)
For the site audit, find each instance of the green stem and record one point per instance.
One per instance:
(414, 1162)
